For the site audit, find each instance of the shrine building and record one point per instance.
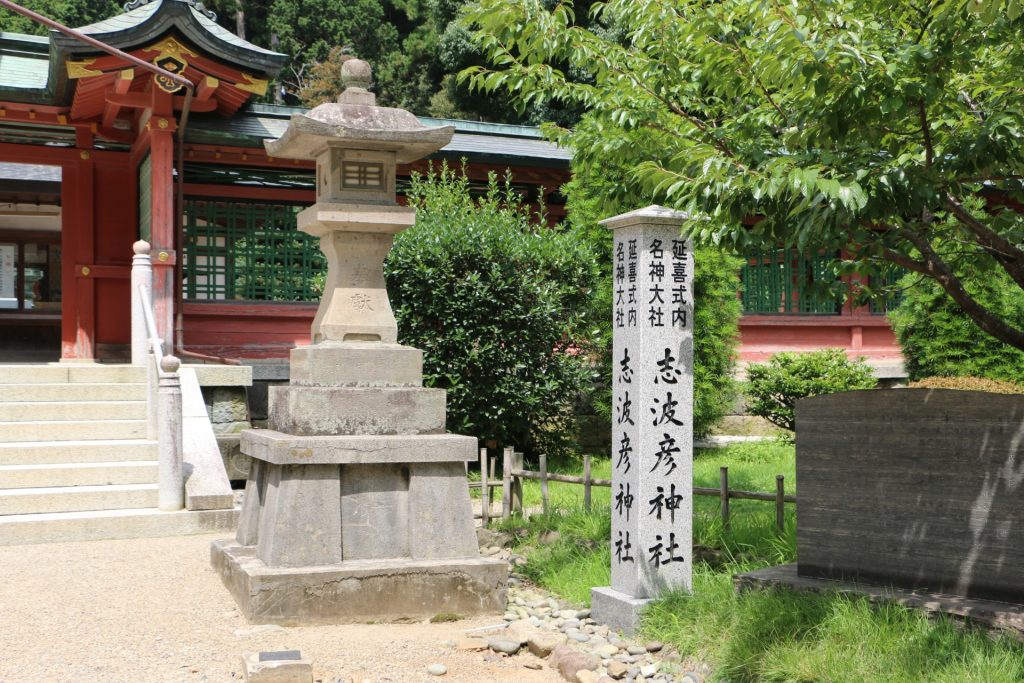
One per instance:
(96, 153)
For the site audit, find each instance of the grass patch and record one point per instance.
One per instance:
(756, 636)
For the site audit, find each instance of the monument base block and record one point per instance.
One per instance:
(620, 612)
(359, 590)
(1004, 616)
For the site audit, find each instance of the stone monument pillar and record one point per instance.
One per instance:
(652, 417)
(356, 507)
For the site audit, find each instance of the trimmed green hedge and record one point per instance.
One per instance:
(938, 339)
(499, 307)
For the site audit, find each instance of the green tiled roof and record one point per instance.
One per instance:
(32, 68)
(139, 16)
(485, 142)
(24, 65)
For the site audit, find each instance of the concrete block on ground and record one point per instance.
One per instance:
(288, 666)
(359, 591)
(357, 364)
(221, 375)
(324, 411)
(620, 612)
(1004, 616)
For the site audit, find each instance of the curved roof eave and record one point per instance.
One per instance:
(148, 23)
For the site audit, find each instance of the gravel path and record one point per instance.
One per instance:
(152, 610)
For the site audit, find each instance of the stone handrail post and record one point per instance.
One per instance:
(164, 399)
(169, 438)
(142, 276)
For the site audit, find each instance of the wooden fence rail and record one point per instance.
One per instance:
(511, 486)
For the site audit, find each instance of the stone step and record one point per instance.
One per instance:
(65, 452)
(59, 527)
(19, 393)
(77, 498)
(34, 411)
(72, 430)
(57, 373)
(78, 474)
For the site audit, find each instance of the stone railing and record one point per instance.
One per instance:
(164, 392)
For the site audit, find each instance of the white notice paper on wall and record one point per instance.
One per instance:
(8, 277)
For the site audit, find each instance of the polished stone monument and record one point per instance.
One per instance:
(652, 420)
(356, 507)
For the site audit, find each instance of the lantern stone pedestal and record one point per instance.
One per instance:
(356, 507)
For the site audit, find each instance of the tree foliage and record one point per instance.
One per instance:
(499, 307)
(937, 339)
(890, 130)
(73, 13)
(775, 387)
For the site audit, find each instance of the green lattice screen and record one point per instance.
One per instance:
(250, 251)
(783, 281)
(892, 298)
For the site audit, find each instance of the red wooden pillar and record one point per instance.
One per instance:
(162, 238)
(78, 216)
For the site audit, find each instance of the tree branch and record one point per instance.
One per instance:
(1006, 253)
(929, 151)
(941, 273)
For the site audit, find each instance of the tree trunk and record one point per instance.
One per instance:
(240, 20)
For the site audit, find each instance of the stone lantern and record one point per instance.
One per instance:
(356, 507)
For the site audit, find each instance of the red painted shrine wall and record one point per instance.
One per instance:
(116, 230)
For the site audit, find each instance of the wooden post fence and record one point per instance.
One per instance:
(723, 485)
(513, 474)
(506, 483)
(544, 483)
(780, 502)
(586, 483)
(485, 490)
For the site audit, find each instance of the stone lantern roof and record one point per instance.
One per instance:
(355, 121)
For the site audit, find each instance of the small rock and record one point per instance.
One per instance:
(568, 662)
(570, 623)
(617, 669)
(654, 646)
(505, 645)
(582, 614)
(509, 616)
(549, 537)
(692, 677)
(541, 644)
(606, 651)
(567, 613)
(586, 676)
(578, 637)
(649, 670)
(437, 669)
(636, 650)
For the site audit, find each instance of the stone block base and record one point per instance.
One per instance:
(1004, 616)
(620, 612)
(359, 590)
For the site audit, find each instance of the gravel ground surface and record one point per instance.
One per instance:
(152, 610)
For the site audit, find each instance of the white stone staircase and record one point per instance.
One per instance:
(75, 461)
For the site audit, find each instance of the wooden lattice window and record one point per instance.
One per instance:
(783, 281)
(249, 251)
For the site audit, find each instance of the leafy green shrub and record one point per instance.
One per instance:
(938, 339)
(787, 377)
(499, 306)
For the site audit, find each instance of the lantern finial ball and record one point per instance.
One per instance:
(355, 73)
